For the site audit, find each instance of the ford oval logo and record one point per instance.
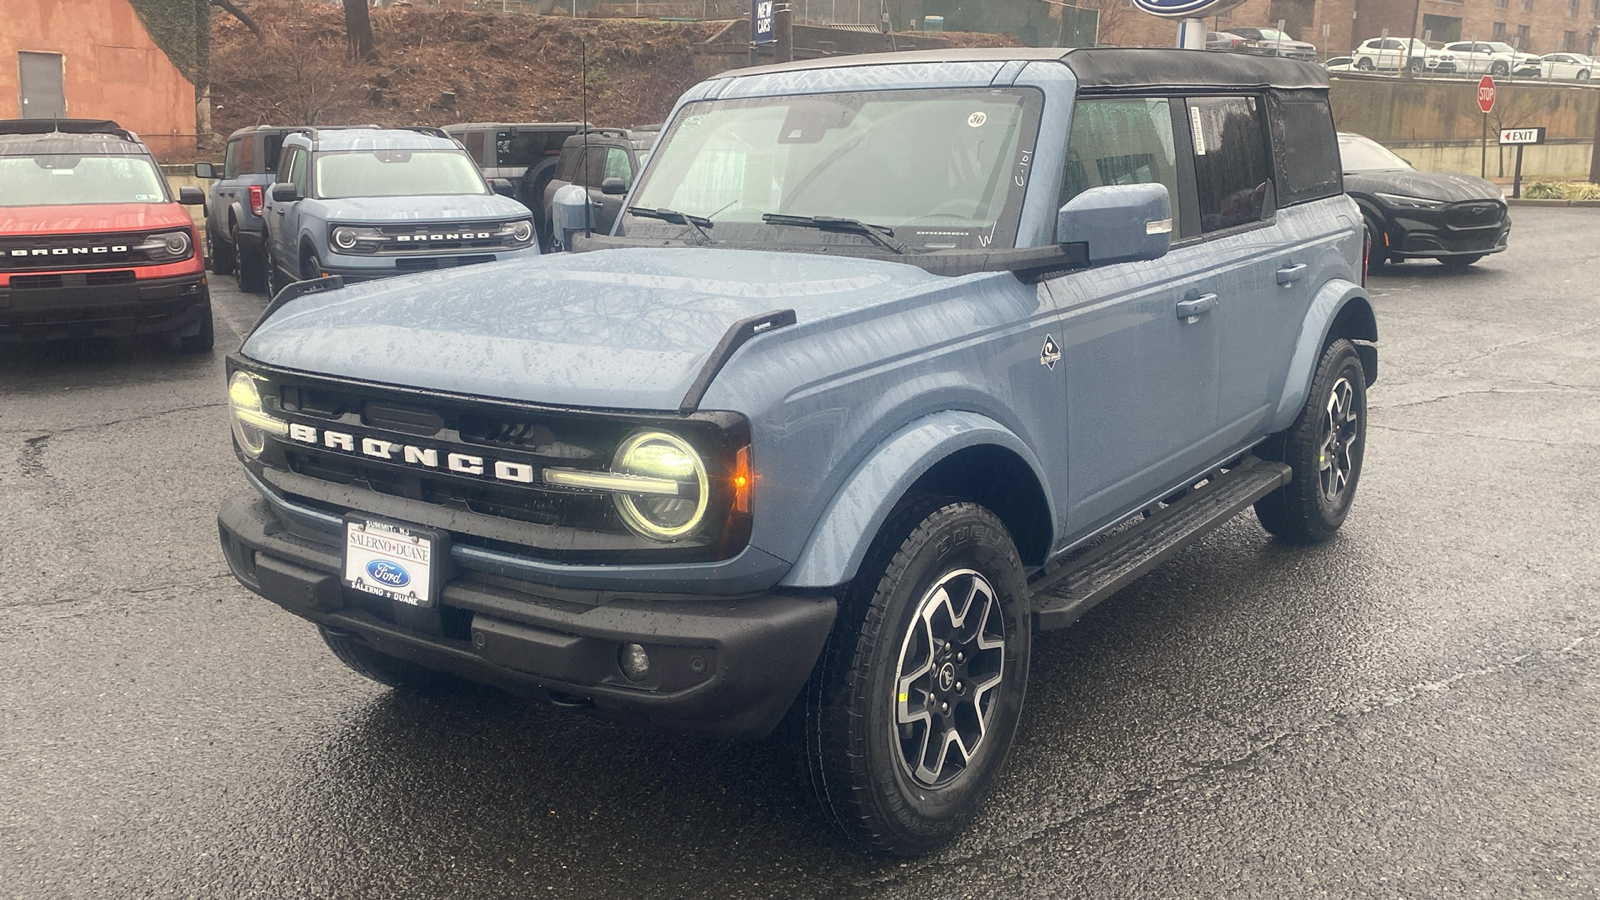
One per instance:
(390, 573)
(1181, 9)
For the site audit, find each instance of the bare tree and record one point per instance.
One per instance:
(358, 31)
(239, 14)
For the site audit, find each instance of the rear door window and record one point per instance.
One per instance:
(1232, 177)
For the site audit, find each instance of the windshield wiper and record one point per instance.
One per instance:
(883, 237)
(698, 223)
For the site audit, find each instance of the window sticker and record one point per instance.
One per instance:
(1199, 130)
(977, 119)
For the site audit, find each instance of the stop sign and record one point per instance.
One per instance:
(1486, 94)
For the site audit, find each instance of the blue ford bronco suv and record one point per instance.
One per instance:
(890, 363)
(366, 202)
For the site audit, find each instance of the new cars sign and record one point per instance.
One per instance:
(1185, 9)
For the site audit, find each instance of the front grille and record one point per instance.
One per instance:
(1476, 214)
(423, 432)
(467, 237)
(75, 279)
(76, 251)
(429, 263)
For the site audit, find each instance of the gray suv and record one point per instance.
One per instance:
(235, 231)
(889, 363)
(366, 202)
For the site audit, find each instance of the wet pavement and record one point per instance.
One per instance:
(1409, 710)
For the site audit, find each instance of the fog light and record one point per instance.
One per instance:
(634, 661)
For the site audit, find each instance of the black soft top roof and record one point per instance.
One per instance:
(1106, 68)
(81, 137)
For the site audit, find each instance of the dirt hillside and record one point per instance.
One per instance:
(436, 66)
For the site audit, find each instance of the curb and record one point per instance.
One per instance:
(1524, 201)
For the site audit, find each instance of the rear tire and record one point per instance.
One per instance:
(911, 710)
(252, 267)
(1324, 447)
(402, 674)
(1365, 65)
(223, 254)
(276, 281)
(531, 190)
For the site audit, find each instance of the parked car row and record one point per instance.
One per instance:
(1396, 54)
(293, 202)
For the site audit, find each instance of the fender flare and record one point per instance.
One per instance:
(839, 541)
(1338, 302)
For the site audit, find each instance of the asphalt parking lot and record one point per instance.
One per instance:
(1408, 710)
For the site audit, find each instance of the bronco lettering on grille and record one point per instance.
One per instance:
(421, 457)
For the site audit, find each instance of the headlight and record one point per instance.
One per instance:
(355, 238)
(168, 246)
(250, 424)
(517, 233)
(657, 455)
(1406, 202)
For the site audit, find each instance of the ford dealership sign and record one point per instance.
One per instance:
(1185, 9)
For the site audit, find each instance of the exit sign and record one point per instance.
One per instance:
(1522, 135)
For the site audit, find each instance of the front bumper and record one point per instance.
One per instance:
(76, 305)
(1430, 234)
(366, 268)
(723, 666)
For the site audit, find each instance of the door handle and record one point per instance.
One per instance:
(1291, 274)
(1189, 309)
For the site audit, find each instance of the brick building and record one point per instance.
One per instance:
(94, 59)
(1337, 26)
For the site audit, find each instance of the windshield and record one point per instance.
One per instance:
(62, 180)
(1361, 154)
(396, 173)
(943, 169)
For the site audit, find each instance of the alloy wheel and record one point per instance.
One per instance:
(1340, 437)
(951, 665)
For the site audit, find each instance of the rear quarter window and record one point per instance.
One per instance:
(1305, 150)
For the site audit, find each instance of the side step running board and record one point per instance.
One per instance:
(1062, 595)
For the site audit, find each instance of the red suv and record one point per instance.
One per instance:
(91, 242)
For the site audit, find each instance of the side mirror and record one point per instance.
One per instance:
(285, 192)
(1118, 223)
(503, 187)
(204, 170)
(613, 187)
(189, 195)
(569, 212)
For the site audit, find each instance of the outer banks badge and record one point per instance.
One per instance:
(1050, 354)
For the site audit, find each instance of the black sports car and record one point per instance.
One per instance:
(1456, 219)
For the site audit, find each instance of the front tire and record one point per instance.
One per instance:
(203, 340)
(1500, 68)
(223, 253)
(913, 705)
(1377, 250)
(1324, 447)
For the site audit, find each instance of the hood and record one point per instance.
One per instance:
(1443, 186)
(92, 218)
(381, 210)
(620, 329)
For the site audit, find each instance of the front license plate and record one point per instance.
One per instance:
(391, 560)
